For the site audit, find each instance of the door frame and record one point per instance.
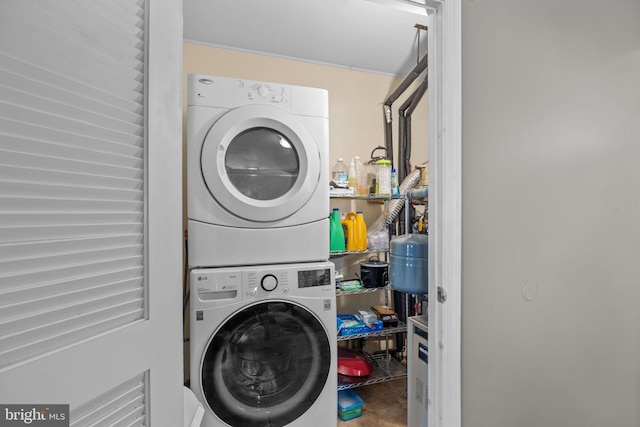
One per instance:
(445, 210)
(445, 213)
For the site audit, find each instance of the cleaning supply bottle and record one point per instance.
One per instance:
(395, 189)
(336, 235)
(361, 231)
(353, 176)
(339, 174)
(349, 229)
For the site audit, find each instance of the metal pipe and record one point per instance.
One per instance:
(418, 193)
(419, 93)
(407, 224)
(388, 132)
(402, 141)
(417, 70)
(406, 155)
(402, 137)
(386, 107)
(404, 129)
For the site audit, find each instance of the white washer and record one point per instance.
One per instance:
(257, 172)
(263, 345)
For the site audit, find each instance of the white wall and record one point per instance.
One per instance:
(551, 146)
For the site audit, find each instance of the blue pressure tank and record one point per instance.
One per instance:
(409, 266)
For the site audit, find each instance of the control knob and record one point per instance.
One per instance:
(269, 282)
(263, 91)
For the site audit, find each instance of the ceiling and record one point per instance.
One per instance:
(369, 35)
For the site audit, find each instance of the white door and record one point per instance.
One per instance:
(90, 210)
(260, 162)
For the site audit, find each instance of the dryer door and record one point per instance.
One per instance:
(266, 365)
(260, 163)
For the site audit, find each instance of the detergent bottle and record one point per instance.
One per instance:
(359, 231)
(336, 234)
(349, 228)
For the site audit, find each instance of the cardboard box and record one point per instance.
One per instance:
(388, 317)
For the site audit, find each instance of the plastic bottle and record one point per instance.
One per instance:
(336, 235)
(361, 231)
(349, 229)
(363, 179)
(340, 174)
(358, 241)
(353, 176)
(383, 179)
(395, 189)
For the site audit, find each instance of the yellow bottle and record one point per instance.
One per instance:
(359, 231)
(349, 228)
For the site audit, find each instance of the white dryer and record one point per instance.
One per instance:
(263, 345)
(257, 172)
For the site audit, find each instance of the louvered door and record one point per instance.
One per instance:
(90, 208)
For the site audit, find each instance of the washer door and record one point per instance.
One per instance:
(260, 163)
(266, 365)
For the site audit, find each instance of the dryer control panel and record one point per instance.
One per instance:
(227, 92)
(254, 92)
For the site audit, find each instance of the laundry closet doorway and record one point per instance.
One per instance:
(442, 141)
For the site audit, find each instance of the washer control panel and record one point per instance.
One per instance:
(267, 282)
(315, 279)
(211, 284)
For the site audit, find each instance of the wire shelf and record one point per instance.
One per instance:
(335, 254)
(360, 291)
(386, 331)
(364, 197)
(386, 368)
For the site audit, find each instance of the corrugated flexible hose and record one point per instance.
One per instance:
(395, 206)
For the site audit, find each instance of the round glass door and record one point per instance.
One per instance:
(260, 163)
(266, 365)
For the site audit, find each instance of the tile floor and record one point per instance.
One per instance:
(385, 405)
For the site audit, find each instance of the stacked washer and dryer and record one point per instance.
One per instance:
(263, 309)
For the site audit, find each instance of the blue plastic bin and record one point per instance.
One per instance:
(349, 404)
